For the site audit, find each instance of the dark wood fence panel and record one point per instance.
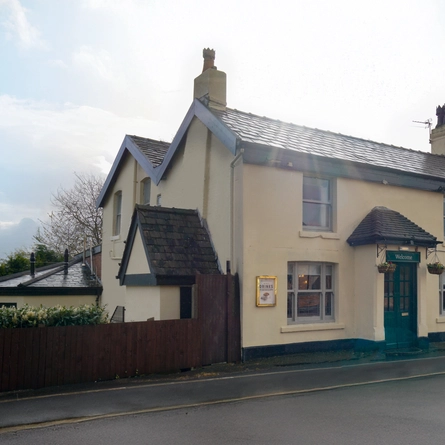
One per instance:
(32, 358)
(219, 314)
(212, 313)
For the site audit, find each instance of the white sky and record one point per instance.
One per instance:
(77, 75)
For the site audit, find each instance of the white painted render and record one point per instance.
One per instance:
(273, 235)
(137, 263)
(49, 301)
(142, 303)
(254, 214)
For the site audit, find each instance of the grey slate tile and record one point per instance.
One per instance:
(385, 226)
(177, 244)
(273, 133)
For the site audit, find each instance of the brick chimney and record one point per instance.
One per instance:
(437, 136)
(210, 86)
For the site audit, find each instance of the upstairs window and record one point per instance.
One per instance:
(146, 190)
(317, 204)
(117, 213)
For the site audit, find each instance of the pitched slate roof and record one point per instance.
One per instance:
(52, 280)
(153, 150)
(175, 241)
(276, 134)
(293, 146)
(384, 226)
(148, 152)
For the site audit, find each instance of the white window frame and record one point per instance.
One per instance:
(324, 204)
(117, 213)
(293, 292)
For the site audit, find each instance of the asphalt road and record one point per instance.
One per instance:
(107, 402)
(407, 411)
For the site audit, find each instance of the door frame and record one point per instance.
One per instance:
(404, 332)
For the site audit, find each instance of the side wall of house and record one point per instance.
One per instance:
(273, 235)
(170, 309)
(199, 177)
(113, 245)
(142, 303)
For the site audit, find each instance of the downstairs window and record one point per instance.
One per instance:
(310, 292)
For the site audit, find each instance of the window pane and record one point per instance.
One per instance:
(117, 229)
(146, 191)
(309, 277)
(316, 215)
(290, 276)
(308, 305)
(328, 270)
(290, 283)
(290, 305)
(328, 304)
(117, 213)
(315, 189)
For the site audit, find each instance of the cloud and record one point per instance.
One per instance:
(98, 63)
(58, 63)
(50, 142)
(20, 29)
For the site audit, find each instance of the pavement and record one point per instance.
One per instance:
(219, 383)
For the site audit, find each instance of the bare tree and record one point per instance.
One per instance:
(75, 217)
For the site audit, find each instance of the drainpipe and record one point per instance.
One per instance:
(205, 200)
(232, 196)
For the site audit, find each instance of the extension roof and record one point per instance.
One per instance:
(52, 280)
(272, 142)
(384, 226)
(176, 244)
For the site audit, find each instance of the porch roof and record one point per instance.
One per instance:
(175, 241)
(385, 226)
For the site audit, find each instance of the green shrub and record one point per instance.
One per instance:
(29, 316)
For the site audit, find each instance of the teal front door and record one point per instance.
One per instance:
(400, 306)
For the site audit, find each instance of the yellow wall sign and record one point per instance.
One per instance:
(266, 290)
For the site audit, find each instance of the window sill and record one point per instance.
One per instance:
(115, 237)
(440, 319)
(311, 327)
(324, 235)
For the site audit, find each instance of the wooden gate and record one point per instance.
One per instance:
(219, 315)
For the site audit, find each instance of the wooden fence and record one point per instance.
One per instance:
(32, 358)
(41, 357)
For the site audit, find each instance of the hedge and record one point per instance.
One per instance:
(29, 316)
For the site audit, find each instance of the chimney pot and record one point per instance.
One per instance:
(209, 59)
(437, 134)
(210, 85)
(440, 113)
(32, 260)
